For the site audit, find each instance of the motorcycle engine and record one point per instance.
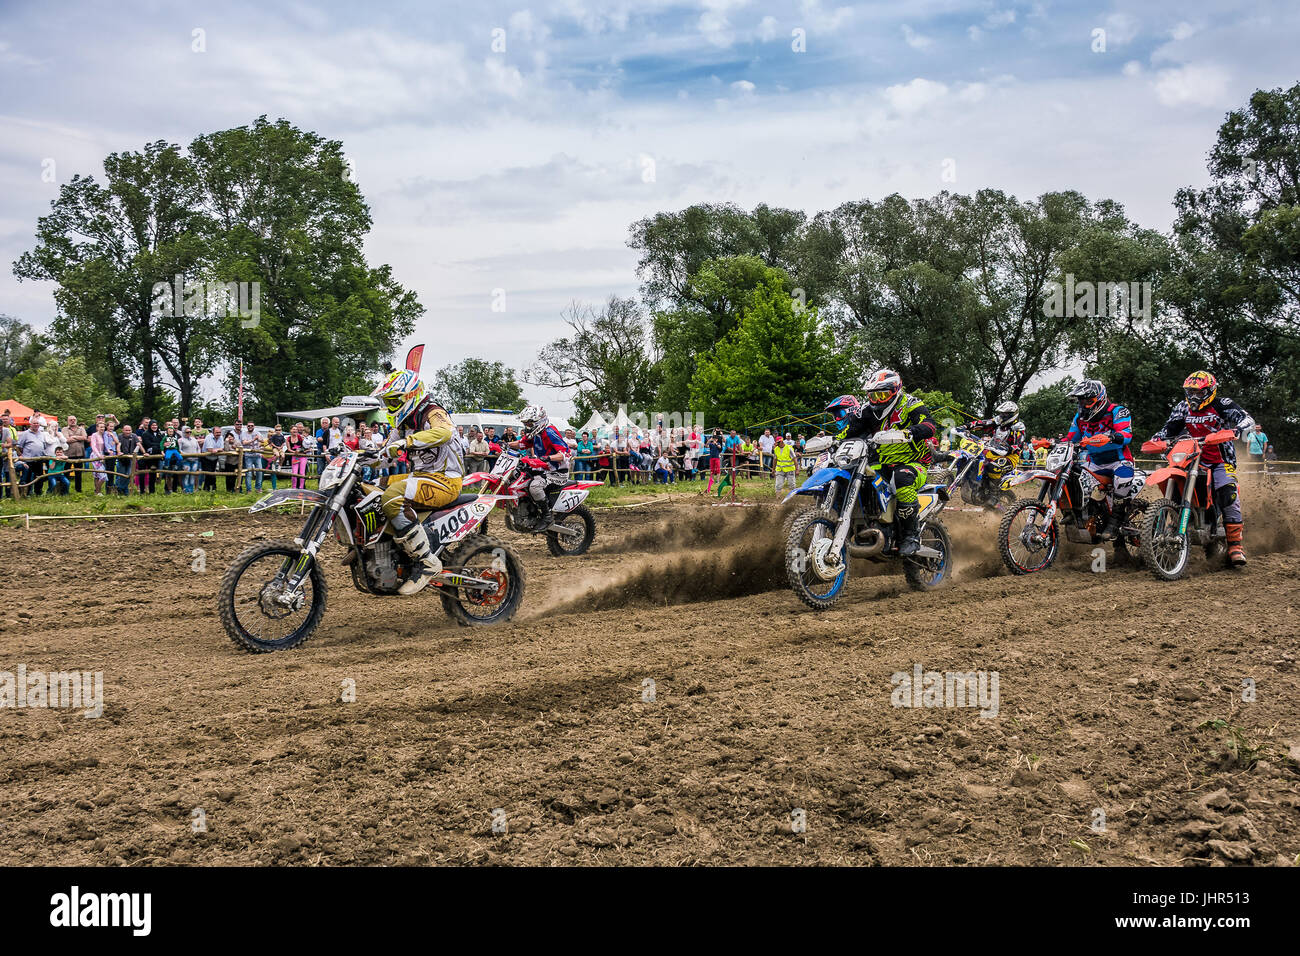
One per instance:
(381, 565)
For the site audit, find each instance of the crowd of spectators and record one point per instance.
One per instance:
(183, 456)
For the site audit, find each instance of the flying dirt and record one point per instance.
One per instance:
(662, 699)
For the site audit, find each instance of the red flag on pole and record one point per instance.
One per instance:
(413, 358)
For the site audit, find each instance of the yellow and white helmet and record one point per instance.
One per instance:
(401, 392)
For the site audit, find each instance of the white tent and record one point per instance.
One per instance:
(594, 424)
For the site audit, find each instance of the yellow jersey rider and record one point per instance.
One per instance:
(436, 463)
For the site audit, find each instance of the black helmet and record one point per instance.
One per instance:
(1091, 396)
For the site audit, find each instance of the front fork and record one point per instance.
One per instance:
(310, 539)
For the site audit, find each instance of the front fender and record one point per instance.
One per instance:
(1034, 475)
(287, 494)
(816, 483)
(1161, 475)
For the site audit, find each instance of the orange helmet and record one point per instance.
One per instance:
(1200, 389)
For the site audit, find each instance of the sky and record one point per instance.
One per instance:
(506, 148)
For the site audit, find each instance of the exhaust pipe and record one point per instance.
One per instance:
(872, 549)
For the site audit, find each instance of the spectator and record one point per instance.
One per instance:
(714, 453)
(586, 449)
(30, 444)
(296, 448)
(765, 445)
(172, 460)
(152, 439)
(231, 452)
(132, 445)
(96, 454)
(272, 456)
(212, 445)
(479, 450)
(78, 447)
(664, 470)
(689, 461)
(252, 447)
(190, 447)
(112, 445)
(59, 472)
(1256, 443)
(784, 463)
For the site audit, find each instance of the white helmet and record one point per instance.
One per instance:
(1006, 413)
(534, 420)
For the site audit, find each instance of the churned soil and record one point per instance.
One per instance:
(664, 699)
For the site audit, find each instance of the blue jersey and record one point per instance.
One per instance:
(548, 442)
(1114, 419)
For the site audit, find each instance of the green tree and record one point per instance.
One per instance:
(779, 360)
(65, 387)
(287, 216)
(106, 246)
(21, 349)
(606, 359)
(475, 383)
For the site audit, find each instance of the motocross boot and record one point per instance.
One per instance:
(416, 544)
(909, 530)
(1110, 530)
(1236, 553)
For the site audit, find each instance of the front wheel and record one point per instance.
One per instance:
(482, 557)
(926, 574)
(1165, 549)
(583, 523)
(1026, 545)
(257, 613)
(815, 575)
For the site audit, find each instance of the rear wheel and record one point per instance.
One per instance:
(1165, 550)
(925, 574)
(483, 557)
(814, 576)
(255, 610)
(583, 524)
(1025, 545)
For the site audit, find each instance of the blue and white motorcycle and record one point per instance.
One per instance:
(854, 518)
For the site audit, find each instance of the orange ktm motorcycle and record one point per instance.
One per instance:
(1186, 513)
(1029, 536)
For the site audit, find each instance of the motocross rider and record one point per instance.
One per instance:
(546, 442)
(1005, 426)
(436, 469)
(1201, 413)
(1098, 415)
(903, 463)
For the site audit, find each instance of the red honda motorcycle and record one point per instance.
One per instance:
(571, 528)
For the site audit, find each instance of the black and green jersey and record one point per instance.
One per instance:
(910, 415)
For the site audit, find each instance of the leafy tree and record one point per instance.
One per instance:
(21, 348)
(779, 360)
(65, 387)
(475, 383)
(286, 215)
(106, 246)
(606, 358)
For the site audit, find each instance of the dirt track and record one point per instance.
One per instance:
(1106, 684)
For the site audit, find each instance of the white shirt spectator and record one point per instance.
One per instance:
(766, 443)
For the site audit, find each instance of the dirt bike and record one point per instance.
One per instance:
(980, 469)
(572, 527)
(856, 520)
(1029, 534)
(1186, 513)
(273, 596)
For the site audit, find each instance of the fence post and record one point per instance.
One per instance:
(13, 474)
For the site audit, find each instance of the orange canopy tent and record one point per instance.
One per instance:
(21, 413)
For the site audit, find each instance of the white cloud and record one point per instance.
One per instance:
(743, 88)
(1192, 85)
(915, 40)
(1183, 30)
(525, 26)
(715, 21)
(914, 96)
(818, 20)
(1121, 29)
(973, 92)
(767, 29)
(975, 33)
(1000, 18)
(1132, 68)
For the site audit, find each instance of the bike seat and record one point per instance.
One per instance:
(459, 502)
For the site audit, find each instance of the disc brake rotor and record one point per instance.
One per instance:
(488, 598)
(819, 555)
